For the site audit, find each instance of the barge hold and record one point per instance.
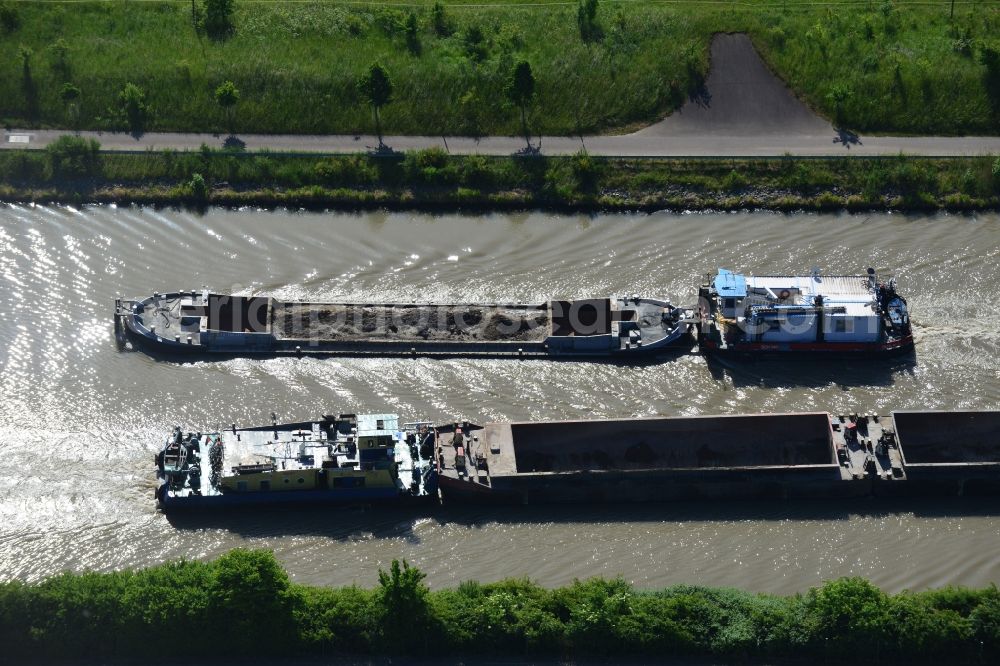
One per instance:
(200, 322)
(375, 459)
(802, 315)
(368, 458)
(810, 455)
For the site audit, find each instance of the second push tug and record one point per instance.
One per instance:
(747, 315)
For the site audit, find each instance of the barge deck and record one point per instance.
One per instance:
(193, 322)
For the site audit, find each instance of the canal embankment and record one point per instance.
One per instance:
(75, 170)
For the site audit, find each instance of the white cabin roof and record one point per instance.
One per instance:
(849, 291)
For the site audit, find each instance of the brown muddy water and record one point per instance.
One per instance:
(80, 421)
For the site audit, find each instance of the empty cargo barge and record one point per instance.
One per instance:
(193, 322)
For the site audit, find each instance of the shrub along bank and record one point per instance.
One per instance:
(243, 604)
(883, 65)
(74, 170)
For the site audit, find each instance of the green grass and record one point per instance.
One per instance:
(244, 604)
(74, 169)
(904, 68)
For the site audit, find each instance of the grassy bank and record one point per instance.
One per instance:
(244, 604)
(74, 170)
(881, 65)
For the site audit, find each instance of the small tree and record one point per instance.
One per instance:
(402, 602)
(70, 96)
(24, 53)
(375, 87)
(197, 18)
(133, 108)
(226, 96)
(990, 57)
(839, 94)
(218, 18)
(439, 19)
(198, 187)
(521, 91)
(586, 18)
(412, 31)
(59, 53)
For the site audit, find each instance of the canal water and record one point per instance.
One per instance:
(80, 421)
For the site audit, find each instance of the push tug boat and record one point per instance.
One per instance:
(201, 322)
(815, 314)
(368, 458)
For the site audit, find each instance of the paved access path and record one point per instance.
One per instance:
(744, 110)
(629, 145)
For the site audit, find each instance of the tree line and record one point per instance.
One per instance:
(243, 604)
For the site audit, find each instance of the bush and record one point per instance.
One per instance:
(338, 621)
(342, 171)
(922, 630)
(847, 607)
(476, 171)
(250, 595)
(198, 187)
(173, 595)
(586, 170)
(402, 610)
(432, 166)
(133, 109)
(912, 177)
(78, 614)
(74, 157)
(985, 624)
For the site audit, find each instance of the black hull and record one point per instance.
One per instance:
(173, 351)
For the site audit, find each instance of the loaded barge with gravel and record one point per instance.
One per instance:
(200, 322)
(379, 459)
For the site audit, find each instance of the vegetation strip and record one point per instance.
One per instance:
(74, 170)
(889, 67)
(244, 604)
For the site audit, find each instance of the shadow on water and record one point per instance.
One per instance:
(344, 524)
(349, 524)
(813, 373)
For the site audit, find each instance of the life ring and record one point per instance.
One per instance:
(784, 294)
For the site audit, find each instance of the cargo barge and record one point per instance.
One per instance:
(812, 315)
(761, 456)
(200, 322)
(377, 459)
